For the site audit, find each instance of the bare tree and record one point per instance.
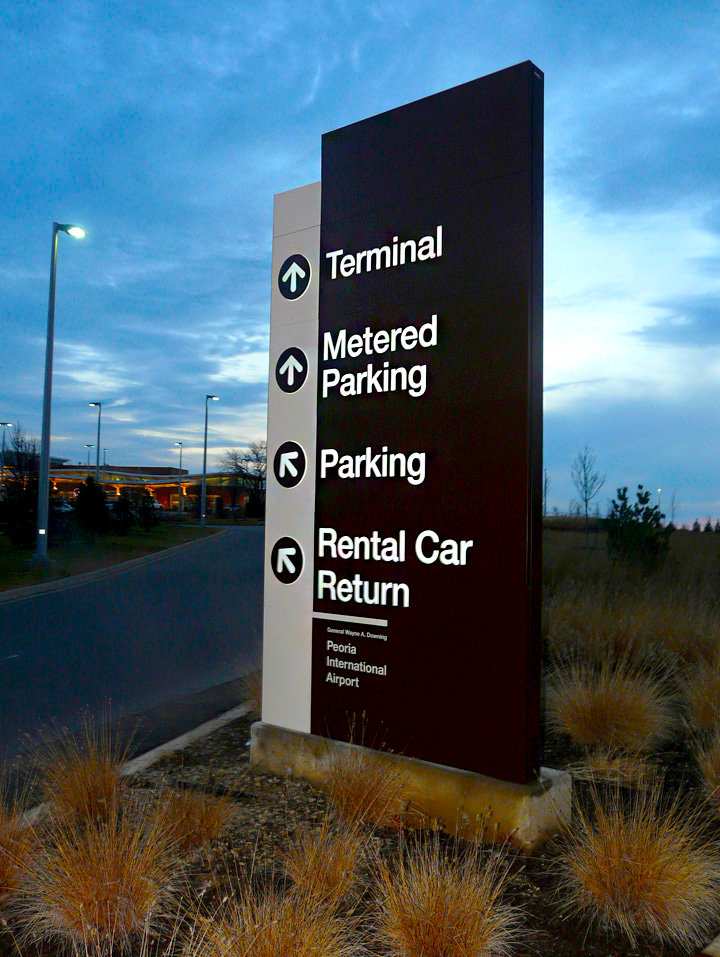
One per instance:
(20, 489)
(546, 488)
(588, 481)
(248, 468)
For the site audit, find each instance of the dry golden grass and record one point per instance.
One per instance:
(193, 818)
(96, 886)
(324, 863)
(633, 866)
(701, 688)
(708, 759)
(273, 926)
(612, 705)
(622, 768)
(16, 844)
(251, 683)
(363, 790)
(595, 620)
(81, 775)
(432, 906)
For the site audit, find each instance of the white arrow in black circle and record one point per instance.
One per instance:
(289, 464)
(294, 276)
(291, 369)
(286, 560)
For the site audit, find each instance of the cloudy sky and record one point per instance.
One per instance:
(165, 128)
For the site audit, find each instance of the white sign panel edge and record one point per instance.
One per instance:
(290, 512)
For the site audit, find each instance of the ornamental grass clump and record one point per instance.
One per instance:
(613, 705)
(364, 790)
(81, 775)
(708, 759)
(431, 905)
(622, 768)
(96, 886)
(273, 926)
(16, 843)
(324, 863)
(251, 684)
(634, 865)
(702, 692)
(193, 818)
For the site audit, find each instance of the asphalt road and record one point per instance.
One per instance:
(150, 636)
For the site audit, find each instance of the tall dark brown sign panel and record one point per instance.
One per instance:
(429, 428)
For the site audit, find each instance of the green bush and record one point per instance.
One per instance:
(635, 533)
(90, 508)
(147, 512)
(122, 514)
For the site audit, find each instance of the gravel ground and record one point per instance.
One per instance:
(268, 810)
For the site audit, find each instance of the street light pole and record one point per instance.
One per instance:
(41, 547)
(180, 501)
(88, 446)
(104, 464)
(5, 425)
(98, 406)
(203, 497)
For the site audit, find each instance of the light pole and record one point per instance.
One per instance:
(659, 491)
(41, 547)
(98, 406)
(104, 464)
(208, 398)
(180, 501)
(5, 425)
(88, 446)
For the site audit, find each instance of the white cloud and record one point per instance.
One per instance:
(245, 367)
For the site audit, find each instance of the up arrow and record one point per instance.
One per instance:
(293, 273)
(283, 560)
(286, 463)
(290, 367)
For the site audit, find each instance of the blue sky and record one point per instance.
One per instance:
(166, 128)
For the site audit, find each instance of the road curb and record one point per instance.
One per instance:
(60, 584)
(143, 761)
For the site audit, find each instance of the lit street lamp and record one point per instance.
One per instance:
(98, 406)
(88, 446)
(5, 425)
(41, 548)
(659, 491)
(104, 464)
(208, 398)
(180, 501)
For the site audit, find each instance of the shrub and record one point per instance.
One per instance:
(147, 512)
(639, 868)
(432, 906)
(96, 887)
(635, 533)
(122, 514)
(90, 507)
(610, 706)
(323, 863)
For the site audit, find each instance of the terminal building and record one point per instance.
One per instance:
(163, 483)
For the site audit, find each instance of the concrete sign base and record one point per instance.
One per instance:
(462, 802)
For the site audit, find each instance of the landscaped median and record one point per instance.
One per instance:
(79, 556)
